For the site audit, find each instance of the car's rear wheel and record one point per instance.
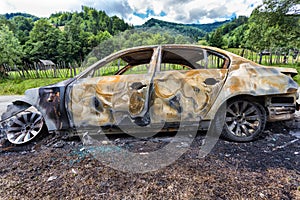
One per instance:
(244, 120)
(25, 126)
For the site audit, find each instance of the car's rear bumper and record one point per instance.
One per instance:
(282, 107)
(281, 113)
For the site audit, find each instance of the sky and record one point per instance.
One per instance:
(136, 12)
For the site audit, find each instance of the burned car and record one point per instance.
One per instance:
(161, 84)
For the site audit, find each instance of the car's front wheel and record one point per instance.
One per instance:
(244, 120)
(23, 127)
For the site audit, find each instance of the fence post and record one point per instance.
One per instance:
(54, 71)
(295, 56)
(17, 70)
(74, 68)
(270, 58)
(71, 71)
(277, 57)
(36, 70)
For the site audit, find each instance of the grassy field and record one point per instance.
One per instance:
(18, 86)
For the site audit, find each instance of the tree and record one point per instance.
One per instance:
(10, 49)
(274, 25)
(285, 7)
(22, 26)
(4, 21)
(284, 15)
(137, 37)
(118, 25)
(74, 42)
(216, 38)
(102, 35)
(45, 42)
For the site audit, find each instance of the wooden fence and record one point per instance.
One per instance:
(68, 70)
(269, 57)
(38, 70)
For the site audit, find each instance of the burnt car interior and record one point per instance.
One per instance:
(216, 60)
(188, 58)
(171, 59)
(184, 59)
(129, 63)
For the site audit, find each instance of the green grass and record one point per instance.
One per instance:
(18, 86)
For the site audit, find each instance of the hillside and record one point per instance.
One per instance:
(26, 15)
(63, 37)
(195, 31)
(68, 37)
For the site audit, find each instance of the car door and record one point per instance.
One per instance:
(114, 92)
(186, 83)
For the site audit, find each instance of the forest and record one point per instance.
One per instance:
(69, 37)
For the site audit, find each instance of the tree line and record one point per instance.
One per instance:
(70, 36)
(272, 28)
(64, 36)
(194, 31)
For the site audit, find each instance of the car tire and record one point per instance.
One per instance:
(25, 127)
(244, 120)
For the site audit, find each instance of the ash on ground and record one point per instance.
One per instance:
(54, 168)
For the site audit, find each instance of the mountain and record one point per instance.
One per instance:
(12, 15)
(195, 31)
(209, 27)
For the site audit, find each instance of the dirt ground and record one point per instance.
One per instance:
(53, 168)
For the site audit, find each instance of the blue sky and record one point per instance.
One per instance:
(136, 12)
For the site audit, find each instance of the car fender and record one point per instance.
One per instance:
(253, 81)
(32, 98)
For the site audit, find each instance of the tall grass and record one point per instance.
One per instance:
(18, 86)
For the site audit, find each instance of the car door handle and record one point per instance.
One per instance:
(137, 85)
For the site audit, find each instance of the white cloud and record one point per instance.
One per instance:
(136, 20)
(194, 11)
(39, 8)
(182, 11)
(244, 7)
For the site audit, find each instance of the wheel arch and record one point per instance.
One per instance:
(9, 113)
(261, 100)
(221, 103)
(22, 102)
(28, 105)
(257, 99)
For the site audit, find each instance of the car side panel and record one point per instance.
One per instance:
(185, 95)
(106, 100)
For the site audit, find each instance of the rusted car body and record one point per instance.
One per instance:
(154, 85)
